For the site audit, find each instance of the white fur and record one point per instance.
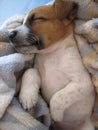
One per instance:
(24, 30)
(29, 88)
(65, 84)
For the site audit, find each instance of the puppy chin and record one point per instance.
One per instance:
(27, 49)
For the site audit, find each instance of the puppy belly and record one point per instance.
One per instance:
(58, 68)
(52, 82)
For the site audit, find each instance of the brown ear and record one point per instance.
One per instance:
(64, 8)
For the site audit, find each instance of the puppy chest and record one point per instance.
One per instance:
(53, 78)
(58, 68)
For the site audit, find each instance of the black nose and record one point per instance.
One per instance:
(12, 34)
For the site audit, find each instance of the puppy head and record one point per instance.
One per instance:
(44, 26)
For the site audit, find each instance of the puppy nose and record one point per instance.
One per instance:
(12, 34)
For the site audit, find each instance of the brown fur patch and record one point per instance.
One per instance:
(48, 26)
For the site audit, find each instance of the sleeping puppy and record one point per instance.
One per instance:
(65, 83)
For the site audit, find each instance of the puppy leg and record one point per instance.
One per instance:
(29, 88)
(68, 96)
(87, 126)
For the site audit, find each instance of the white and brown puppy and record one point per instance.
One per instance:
(65, 83)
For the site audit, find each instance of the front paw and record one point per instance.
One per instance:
(57, 108)
(28, 99)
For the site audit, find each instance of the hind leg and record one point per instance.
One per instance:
(87, 126)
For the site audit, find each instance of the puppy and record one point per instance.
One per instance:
(65, 83)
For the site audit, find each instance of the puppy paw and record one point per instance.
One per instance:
(57, 108)
(28, 99)
(29, 88)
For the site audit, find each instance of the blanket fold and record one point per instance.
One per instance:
(16, 118)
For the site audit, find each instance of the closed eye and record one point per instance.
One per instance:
(40, 18)
(34, 18)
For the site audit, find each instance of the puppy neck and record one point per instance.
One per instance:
(58, 45)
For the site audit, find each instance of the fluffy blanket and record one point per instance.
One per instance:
(12, 67)
(86, 36)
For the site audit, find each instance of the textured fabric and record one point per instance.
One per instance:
(16, 118)
(87, 41)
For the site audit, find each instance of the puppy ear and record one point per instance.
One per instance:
(64, 8)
